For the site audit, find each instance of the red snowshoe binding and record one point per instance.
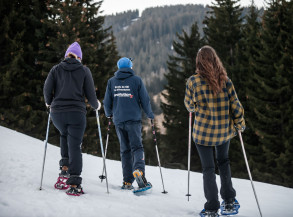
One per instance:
(61, 181)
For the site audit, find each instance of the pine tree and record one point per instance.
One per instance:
(249, 53)
(285, 161)
(21, 79)
(272, 97)
(223, 32)
(79, 20)
(181, 66)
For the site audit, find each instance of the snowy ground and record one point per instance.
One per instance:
(21, 159)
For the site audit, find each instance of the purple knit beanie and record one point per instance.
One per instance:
(74, 48)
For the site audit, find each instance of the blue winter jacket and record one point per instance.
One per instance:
(125, 95)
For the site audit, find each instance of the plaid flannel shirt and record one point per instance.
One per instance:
(216, 117)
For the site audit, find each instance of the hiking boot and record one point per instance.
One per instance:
(127, 186)
(140, 178)
(75, 190)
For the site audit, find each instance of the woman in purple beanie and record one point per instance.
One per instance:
(65, 89)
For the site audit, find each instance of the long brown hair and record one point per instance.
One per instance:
(210, 67)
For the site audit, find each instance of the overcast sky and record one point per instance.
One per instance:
(116, 6)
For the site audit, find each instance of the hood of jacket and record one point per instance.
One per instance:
(70, 64)
(124, 73)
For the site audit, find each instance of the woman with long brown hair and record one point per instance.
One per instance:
(211, 96)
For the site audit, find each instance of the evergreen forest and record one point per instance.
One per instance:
(254, 44)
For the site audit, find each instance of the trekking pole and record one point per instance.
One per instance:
(189, 152)
(46, 142)
(244, 154)
(101, 143)
(155, 140)
(102, 177)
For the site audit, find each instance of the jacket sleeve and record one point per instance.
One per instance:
(89, 89)
(49, 85)
(108, 101)
(188, 99)
(145, 100)
(237, 109)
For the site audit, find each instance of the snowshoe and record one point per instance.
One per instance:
(142, 183)
(230, 207)
(209, 213)
(61, 181)
(127, 186)
(144, 190)
(75, 190)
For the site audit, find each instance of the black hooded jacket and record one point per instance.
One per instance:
(67, 85)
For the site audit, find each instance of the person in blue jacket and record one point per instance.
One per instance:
(125, 96)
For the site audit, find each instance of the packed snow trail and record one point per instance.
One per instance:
(21, 164)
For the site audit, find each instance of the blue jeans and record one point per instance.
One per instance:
(209, 178)
(131, 148)
(71, 126)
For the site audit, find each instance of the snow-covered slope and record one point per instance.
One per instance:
(21, 159)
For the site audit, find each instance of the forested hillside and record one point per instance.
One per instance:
(149, 39)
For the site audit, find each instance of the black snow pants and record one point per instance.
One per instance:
(71, 126)
(209, 178)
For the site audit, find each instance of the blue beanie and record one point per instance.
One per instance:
(124, 62)
(74, 48)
